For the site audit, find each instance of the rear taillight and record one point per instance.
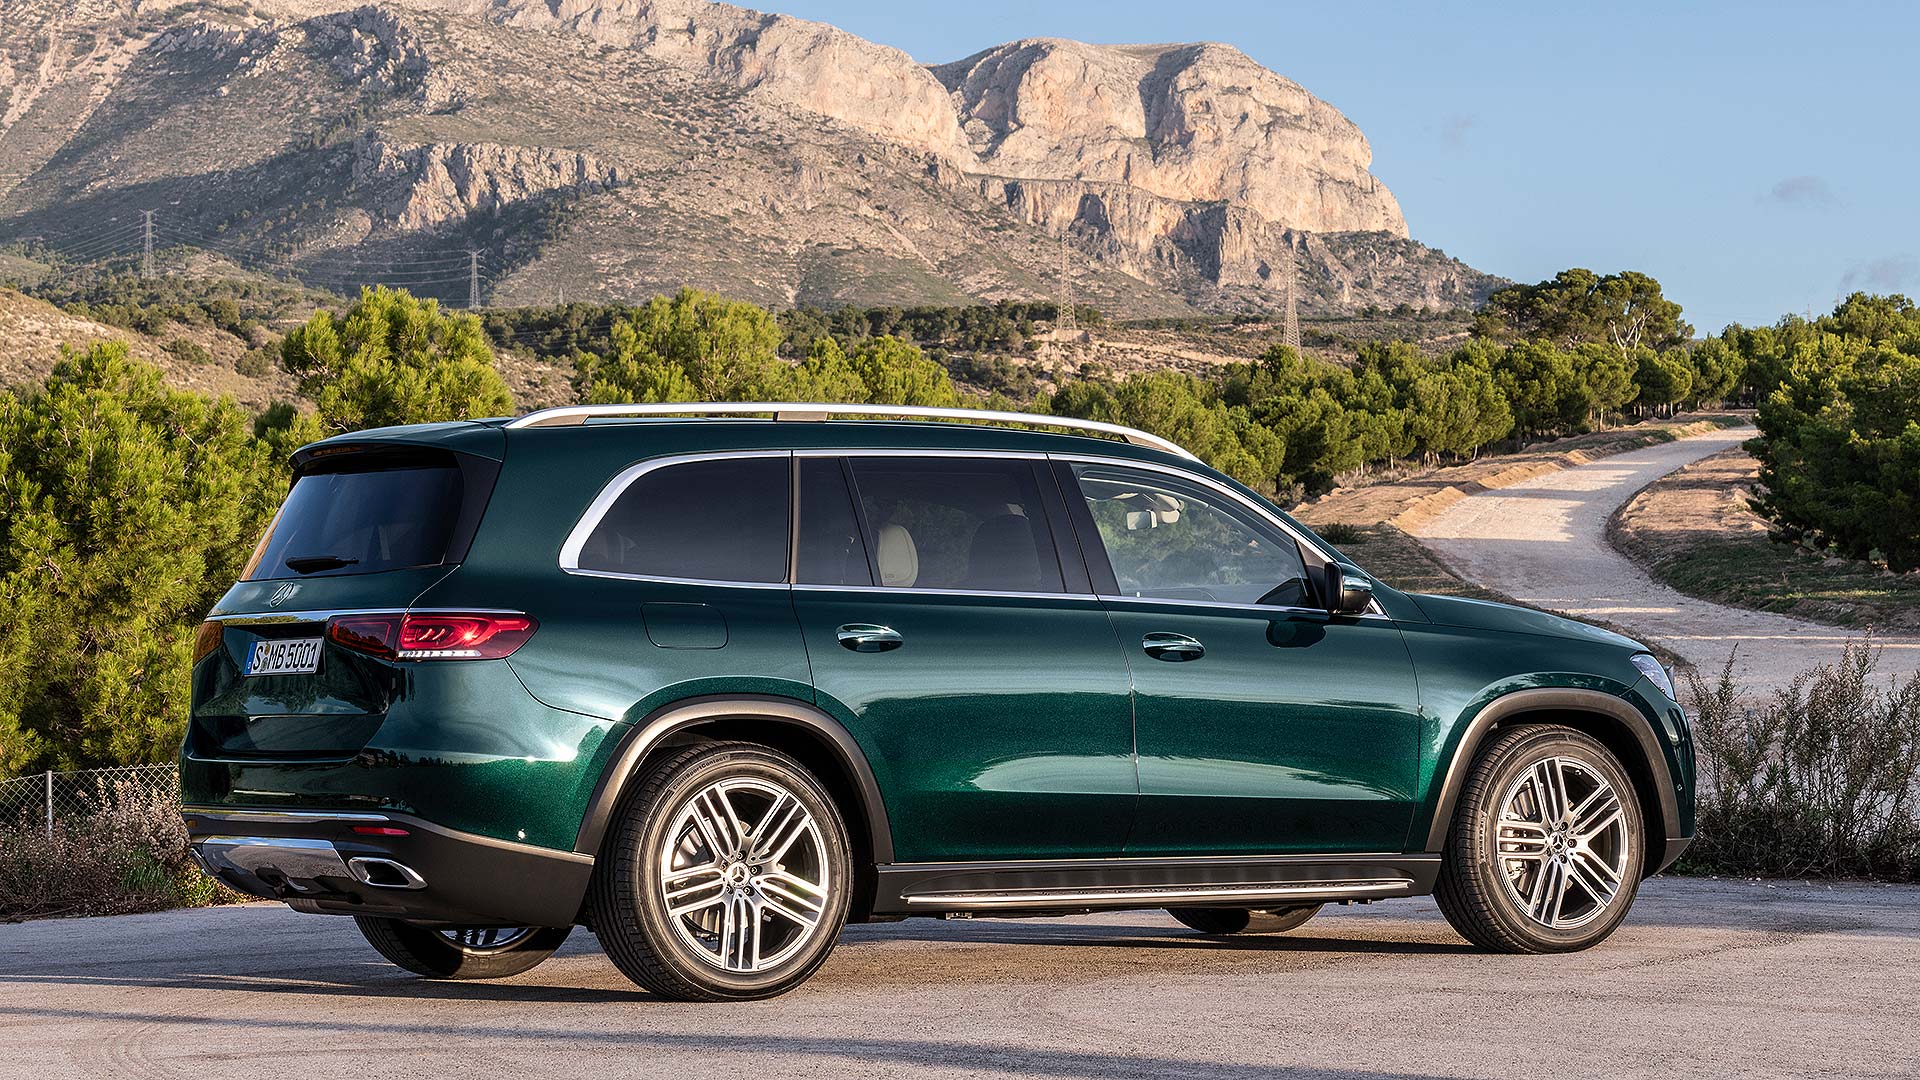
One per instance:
(206, 640)
(433, 635)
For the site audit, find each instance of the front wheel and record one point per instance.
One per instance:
(493, 952)
(1546, 847)
(725, 877)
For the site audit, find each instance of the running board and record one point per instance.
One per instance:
(1026, 900)
(1118, 884)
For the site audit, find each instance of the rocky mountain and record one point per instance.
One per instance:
(611, 149)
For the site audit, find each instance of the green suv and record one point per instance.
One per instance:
(713, 680)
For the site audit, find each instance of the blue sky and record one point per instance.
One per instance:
(1758, 158)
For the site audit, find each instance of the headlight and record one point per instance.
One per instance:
(1657, 674)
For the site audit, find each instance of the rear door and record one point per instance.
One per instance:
(1264, 724)
(966, 654)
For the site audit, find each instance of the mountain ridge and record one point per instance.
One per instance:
(614, 148)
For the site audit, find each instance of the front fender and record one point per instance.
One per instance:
(1620, 719)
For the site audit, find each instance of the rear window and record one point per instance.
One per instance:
(362, 517)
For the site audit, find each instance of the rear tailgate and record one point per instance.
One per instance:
(364, 529)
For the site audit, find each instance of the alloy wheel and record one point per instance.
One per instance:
(1562, 843)
(744, 874)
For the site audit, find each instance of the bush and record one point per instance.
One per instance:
(128, 855)
(188, 352)
(256, 363)
(1821, 781)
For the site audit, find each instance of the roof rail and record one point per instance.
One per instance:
(571, 415)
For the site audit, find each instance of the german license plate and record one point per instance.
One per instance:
(288, 656)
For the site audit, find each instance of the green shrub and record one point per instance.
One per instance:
(1821, 780)
(188, 352)
(257, 363)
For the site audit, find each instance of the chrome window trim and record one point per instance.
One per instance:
(886, 590)
(590, 520)
(597, 510)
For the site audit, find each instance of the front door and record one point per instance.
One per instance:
(1264, 725)
(971, 662)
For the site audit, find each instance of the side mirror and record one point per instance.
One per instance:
(1347, 594)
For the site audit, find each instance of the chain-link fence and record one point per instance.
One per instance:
(43, 801)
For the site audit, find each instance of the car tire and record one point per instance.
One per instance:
(720, 855)
(1222, 921)
(461, 952)
(1547, 844)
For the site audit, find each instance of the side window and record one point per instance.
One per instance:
(831, 551)
(1176, 540)
(719, 520)
(957, 523)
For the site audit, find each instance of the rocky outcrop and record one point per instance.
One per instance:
(808, 64)
(443, 182)
(1194, 123)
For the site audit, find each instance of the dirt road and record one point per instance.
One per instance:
(1544, 542)
(1705, 978)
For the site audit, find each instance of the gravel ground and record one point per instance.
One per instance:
(1544, 542)
(1706, 978)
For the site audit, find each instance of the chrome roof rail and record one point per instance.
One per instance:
(572, 415)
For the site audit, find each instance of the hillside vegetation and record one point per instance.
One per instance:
(110, 477)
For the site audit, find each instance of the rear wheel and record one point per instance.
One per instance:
(1546, 847)
(493, 952)
(1242, 920)
(726, 876)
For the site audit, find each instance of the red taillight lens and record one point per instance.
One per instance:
(433, 636)
(206, 640)
(375, 634)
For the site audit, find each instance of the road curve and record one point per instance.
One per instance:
(1705, 978)
(1544, 542)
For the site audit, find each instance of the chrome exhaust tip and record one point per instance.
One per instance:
(384, 873)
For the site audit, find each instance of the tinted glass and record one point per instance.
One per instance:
(956, 523)
(720, 520)
(830, 550)
(1175, 540)
(362, 522)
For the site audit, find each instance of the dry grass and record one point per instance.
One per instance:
(1694, 531)
(128, 855)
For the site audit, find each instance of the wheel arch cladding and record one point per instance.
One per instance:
(1613, 721)
(800, 730)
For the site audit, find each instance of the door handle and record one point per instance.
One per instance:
(1173, 647)
(867, 637)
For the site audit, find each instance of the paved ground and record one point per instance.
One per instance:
(1705, 978)
(1544, 542)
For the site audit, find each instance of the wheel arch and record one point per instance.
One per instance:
(798, 729)
(1613, 721)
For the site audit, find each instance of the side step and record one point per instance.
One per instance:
(1034, 899)
(1118, 884)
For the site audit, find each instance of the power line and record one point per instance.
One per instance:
(146, 243)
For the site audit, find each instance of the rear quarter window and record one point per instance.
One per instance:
(718, 520)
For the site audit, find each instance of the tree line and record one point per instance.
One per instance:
(127, 507)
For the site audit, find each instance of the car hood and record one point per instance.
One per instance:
(1486, 615)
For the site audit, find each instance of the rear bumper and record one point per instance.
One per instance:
(420, 871)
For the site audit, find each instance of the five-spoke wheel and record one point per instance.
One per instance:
(1546, 847)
